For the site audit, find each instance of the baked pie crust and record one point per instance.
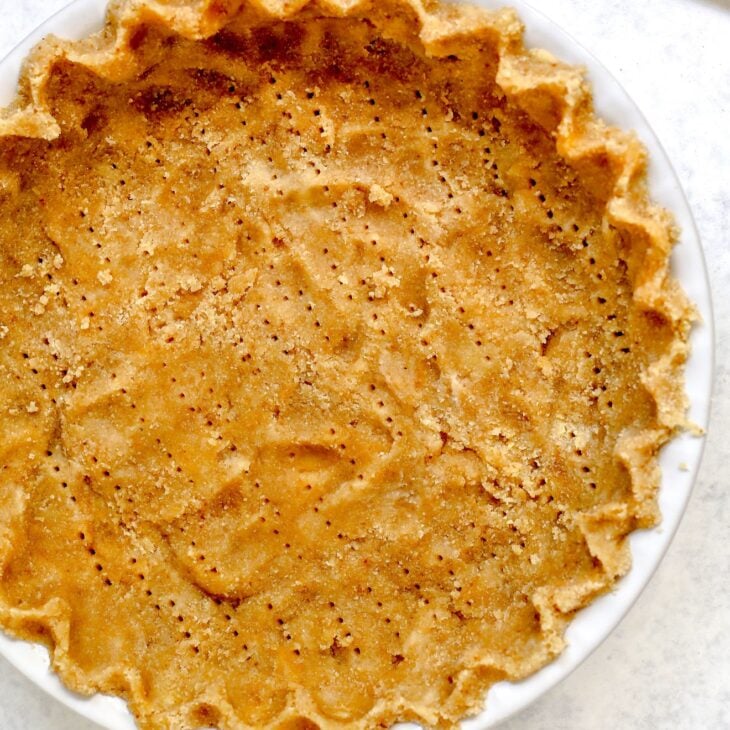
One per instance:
(338, 344)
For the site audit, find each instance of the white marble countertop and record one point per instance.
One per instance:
(668, 663)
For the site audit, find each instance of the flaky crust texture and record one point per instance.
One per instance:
(338, 345)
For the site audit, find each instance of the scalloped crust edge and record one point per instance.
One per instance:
(612, 163)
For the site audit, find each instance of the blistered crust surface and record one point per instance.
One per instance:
(337, 346)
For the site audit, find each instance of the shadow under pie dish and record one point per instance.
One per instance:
(338, 345)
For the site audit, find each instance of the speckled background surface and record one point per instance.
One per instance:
(668, 663)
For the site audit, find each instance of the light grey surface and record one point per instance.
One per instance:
(668, 664)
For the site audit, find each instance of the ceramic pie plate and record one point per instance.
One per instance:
(680, 459)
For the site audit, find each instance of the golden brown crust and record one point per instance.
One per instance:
(477, 534)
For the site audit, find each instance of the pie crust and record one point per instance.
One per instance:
(338, 342)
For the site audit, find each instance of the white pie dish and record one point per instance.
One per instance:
(594, 623)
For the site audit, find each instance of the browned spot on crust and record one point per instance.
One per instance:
(157, 102)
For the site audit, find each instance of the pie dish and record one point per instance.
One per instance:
(153, 332)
